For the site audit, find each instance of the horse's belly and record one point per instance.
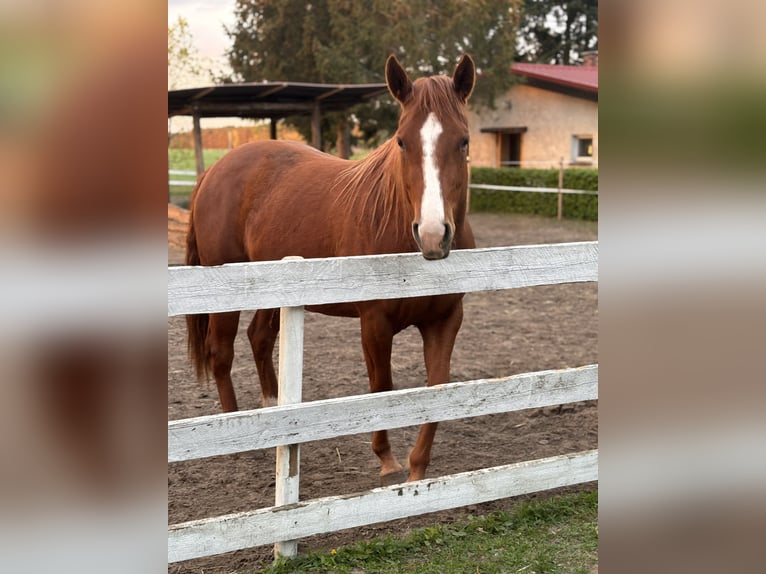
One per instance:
(335, 309)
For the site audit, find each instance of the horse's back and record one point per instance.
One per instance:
(266, 200)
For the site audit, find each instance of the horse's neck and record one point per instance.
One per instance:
(373, 197)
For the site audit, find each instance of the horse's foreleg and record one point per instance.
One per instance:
(438, 342)
(221, 333)
(262, 332)
(377, 340)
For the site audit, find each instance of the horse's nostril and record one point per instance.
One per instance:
(416, 234)
(448, 233)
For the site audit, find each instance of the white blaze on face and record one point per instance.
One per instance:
(432, 205)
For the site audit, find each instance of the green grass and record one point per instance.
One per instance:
(554, 536)
(184, 159)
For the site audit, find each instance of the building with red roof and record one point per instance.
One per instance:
(552, 113)
(574, 78)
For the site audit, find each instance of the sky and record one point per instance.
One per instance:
(206, 20)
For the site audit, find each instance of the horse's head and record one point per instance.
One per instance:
(433, 141)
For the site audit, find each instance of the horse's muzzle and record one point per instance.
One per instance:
(434, 242)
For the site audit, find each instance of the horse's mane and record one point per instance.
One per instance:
(372, 184)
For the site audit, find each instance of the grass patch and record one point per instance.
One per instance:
(184, 158)
(554, 536)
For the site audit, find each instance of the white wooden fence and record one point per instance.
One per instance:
(563, 190)
(289, 284)
(183, 173)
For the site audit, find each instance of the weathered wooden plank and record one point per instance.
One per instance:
(274, 284)
(287, 481)
(264, 428)
(247, 529)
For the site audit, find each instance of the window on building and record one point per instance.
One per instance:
(582, 149)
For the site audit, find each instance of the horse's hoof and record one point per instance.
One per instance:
(396, 477)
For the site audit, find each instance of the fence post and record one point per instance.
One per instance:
(561, 186)
(290, 392)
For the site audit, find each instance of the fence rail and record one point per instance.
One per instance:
(532, 189)
(273, 284)
(200, 538)
(229, 433)
(183, 182)
(289, 284)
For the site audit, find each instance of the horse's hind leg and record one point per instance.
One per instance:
(377, 341)
(222, 331)
(262, 333)
(438, 342)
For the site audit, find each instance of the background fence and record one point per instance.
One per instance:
(181, 181)
(189, 175)
(291, 284)
(560, 190)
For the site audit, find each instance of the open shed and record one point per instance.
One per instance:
(272, 100)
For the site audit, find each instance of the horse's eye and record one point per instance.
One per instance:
(400, 143)
(464, 145)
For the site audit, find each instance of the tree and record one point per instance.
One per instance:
(186, 67)
(557, 32)
(348, 41)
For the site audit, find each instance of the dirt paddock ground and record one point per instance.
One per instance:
(503, 333)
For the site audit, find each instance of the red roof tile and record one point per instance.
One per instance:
(583, 77)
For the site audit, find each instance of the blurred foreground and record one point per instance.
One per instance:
(82, 248)
(682, 434)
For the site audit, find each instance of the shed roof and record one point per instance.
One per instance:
(268, 100)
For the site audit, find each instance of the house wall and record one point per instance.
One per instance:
(551, 120)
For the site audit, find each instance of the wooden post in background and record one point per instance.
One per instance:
(561, 186)
(316, 126)
(343, 139)
(468, 193)
(290, 392)
(198, 145)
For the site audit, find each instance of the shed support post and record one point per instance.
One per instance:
(273, 128)
(343, 141)
(316, 126)
(290, 392)
(198, 145)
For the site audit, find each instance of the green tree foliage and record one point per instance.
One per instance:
(556, 32)
(348, 41)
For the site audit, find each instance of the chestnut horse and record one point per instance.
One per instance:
(267, 200)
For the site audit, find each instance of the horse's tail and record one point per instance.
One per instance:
(196, 325)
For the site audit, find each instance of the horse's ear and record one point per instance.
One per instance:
(396, 78)
(464, 77)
